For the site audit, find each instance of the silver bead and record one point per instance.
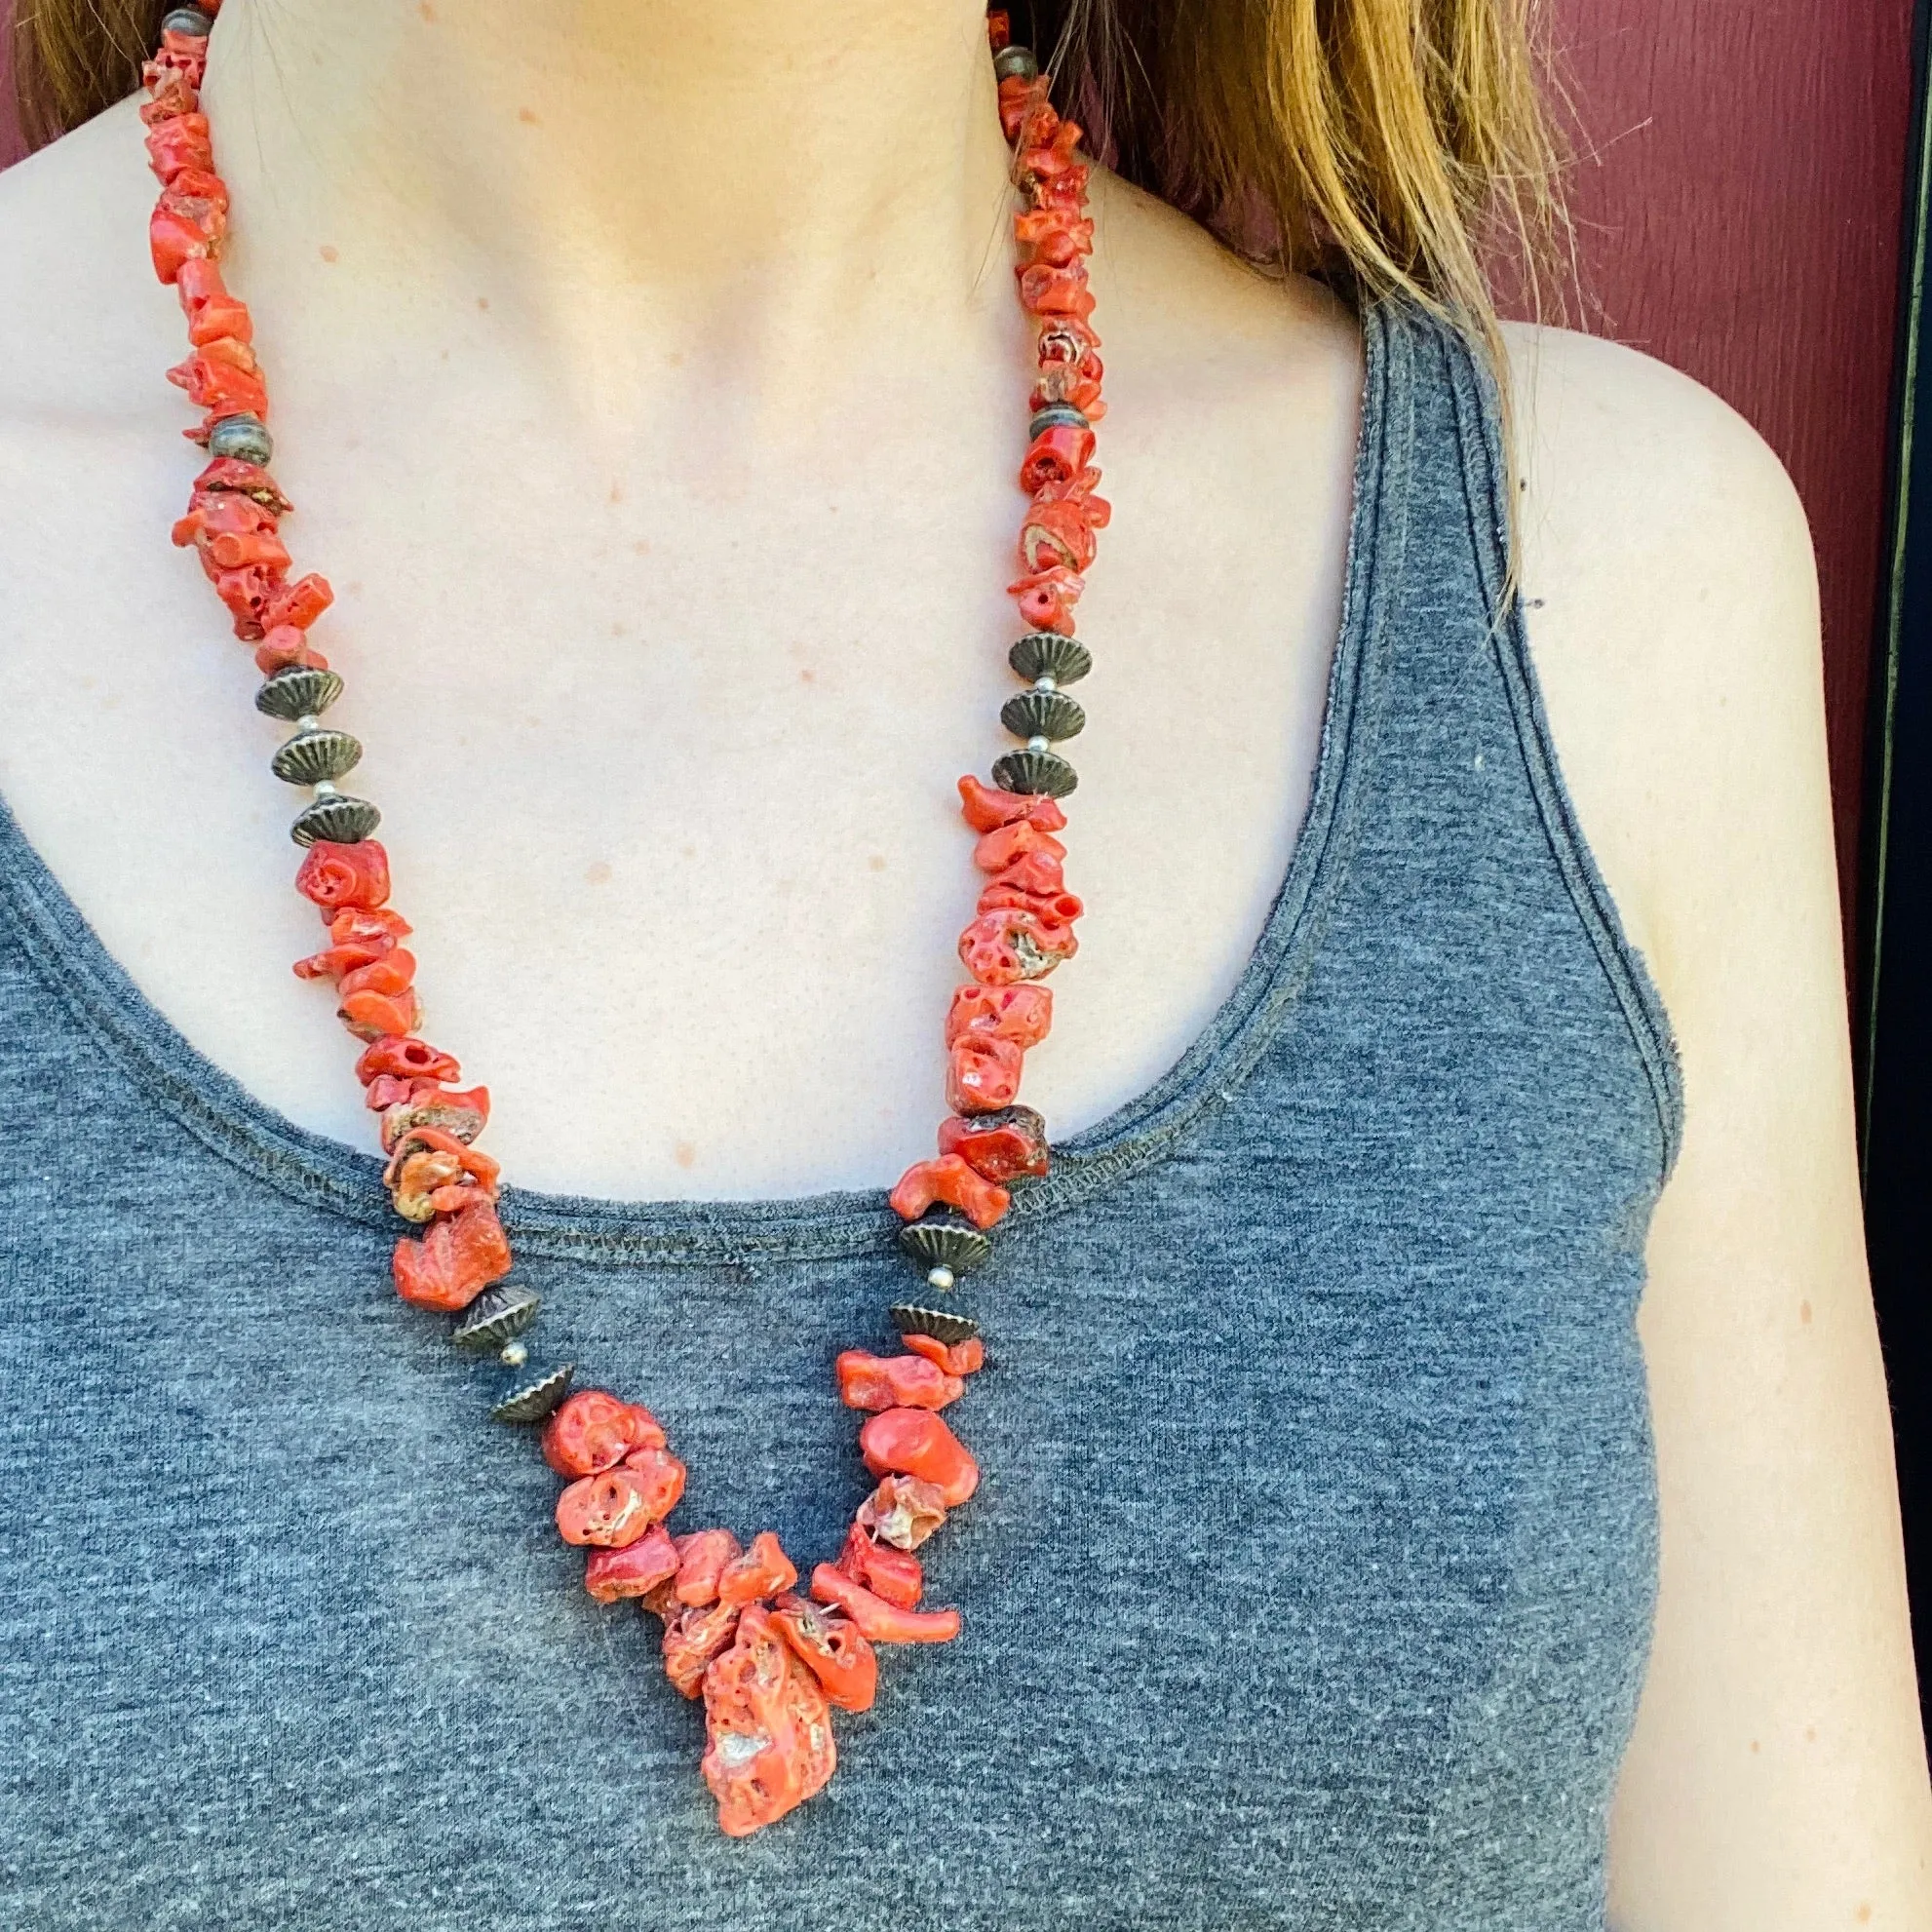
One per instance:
(1016, 63)
(1036, 771)
(531, 1400)
(496, 1317)
(298, 694)
(940, 1279)
(316, 757)
(335, 817)
(910, 1317)
(1046, 653)
(943, 1239)
(243, 436)
(514, 1354)
(1042, 716)
(1046, 681)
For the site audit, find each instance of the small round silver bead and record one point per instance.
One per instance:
(1037, 744)
(514, 1354)
(1046, 681)
(1016, 63)
(940, 1278)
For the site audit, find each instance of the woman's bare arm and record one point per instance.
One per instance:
(1777, 1778)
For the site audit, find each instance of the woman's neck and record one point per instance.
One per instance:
(748, 177)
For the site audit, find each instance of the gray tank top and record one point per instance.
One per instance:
(1310, 1580)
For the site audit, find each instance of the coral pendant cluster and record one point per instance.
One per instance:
(771, 1660)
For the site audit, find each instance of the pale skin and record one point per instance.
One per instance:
(647, 387)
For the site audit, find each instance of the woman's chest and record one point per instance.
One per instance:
(665, 754)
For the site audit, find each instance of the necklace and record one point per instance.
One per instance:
(770, 1662)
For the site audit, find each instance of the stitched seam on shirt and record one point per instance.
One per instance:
(1644, 1018)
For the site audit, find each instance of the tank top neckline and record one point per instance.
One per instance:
(334, 1176)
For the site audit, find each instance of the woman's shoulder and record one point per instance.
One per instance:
(78, 323)
(1673, 615)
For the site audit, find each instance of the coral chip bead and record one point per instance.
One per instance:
(692, 1638)
(948, 1179)
(959, 1357)
(882, 1622)
(614, 1509)
(662, 1475)
(596, 1430)
(892, 1573)
(454, 1263)
(336, 876)
(832, 1649)
(982, 1073)
(700, 1559)
(985, 809)
(768, 1729)
(635, 1570)
(914, 1441)
(406, 1058)
(760, 1575)
(903, 1511)
(894, 1381)
(1021, 1014)
(1010, 944)
(1002, 1146)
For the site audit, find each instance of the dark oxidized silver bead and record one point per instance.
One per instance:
(1046, 654)
(1042, 715)
(243, 436)
(311, 757)
(532, 1397)
(1014, 63)
(914, 1318)
(1057, 415)
(1036, 772)
(337, 818)
(499, 1314)
(945, 1240)
(186, 19)
(299, 691)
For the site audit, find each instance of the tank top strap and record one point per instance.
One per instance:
(1458, 682)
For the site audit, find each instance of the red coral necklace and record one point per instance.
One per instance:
(768, 1661)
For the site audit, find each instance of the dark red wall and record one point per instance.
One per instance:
(1737, 192)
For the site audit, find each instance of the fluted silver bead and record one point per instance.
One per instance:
(317, 757)
(298, 692)
(1046, 654)
(1041, 718)
(335, 817)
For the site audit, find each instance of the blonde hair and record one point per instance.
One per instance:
(1390, 145)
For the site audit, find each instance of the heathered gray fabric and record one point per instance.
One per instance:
(1310, 1582)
